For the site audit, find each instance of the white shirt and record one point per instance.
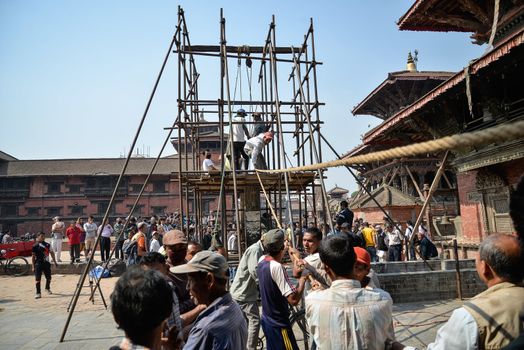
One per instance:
(232, 242)
(346, 316)
(154, 246)
(239, 135)
(409, 232)
(207, 165)
(90, 229)
(254, 147)
(459, 333)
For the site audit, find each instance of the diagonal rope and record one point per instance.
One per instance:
(499, 133)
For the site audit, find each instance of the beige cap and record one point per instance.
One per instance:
(204, 261)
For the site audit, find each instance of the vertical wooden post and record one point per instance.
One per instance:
(457, 268)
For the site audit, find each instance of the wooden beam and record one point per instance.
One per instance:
(432, 189)
(446, 18)
(395, 173)
(242, 48)
(476, 10)
(417, 187)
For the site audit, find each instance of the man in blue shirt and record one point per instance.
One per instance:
(222, 325)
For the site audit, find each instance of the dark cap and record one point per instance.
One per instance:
(274, 238)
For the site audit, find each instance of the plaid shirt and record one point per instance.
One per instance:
(346, 316)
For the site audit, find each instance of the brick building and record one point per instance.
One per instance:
(34, 191)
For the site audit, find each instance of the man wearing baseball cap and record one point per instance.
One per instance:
(240, 133)
(221, 325)
(276, 292)
(363, 271)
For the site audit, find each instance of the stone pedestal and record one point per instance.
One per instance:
(251, 203)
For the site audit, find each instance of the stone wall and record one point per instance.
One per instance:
(435, 285)
(410, 281)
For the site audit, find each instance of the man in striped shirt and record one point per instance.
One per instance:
(346, 316)
(276, 292)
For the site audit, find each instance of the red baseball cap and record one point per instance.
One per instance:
(363, 256)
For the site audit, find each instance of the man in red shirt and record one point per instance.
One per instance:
(73, 234)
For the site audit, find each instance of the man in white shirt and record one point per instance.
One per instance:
(154, 246)
(91, 228)
(410, 244)
(208, 163)
(254, 147)
(347, 316)
(240, 133)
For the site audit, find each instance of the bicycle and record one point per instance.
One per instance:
(16, 266)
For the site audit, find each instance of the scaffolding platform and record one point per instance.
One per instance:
(211, 182)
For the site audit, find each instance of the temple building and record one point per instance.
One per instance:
(400, 186)
(485, 93)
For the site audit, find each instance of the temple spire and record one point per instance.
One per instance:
(412, 65)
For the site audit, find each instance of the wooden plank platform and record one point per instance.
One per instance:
(205, 182)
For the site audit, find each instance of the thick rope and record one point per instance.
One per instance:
(500, 133)
(494, 25)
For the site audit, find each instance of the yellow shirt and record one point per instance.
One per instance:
(369, 236)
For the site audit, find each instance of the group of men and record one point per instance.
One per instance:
(344, 308)
(178, 298)
(247, 148)
(388, 243)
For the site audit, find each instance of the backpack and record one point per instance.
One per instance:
(130, 249)
(116, 267)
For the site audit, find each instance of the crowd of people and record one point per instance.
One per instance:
(344, 305)
(385, 241)
(180, 293)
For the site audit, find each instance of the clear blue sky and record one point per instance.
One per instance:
(75, 75)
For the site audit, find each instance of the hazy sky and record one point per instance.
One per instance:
(75, 75)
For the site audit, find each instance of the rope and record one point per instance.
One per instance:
(494, 25)
(505, 132)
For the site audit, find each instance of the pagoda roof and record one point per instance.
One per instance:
(399, 90)
(394, 122)
(386, 196)
(473, 16)
(337, 191)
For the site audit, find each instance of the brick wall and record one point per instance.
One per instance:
(470, 207)
(376, 216)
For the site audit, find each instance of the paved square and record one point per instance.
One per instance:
(26, 323)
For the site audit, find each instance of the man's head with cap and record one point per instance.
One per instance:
(345, 227)
(207, 273)
(273, 241)
(241, 112)
(362, 265)
(175, 244)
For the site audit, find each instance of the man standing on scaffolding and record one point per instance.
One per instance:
(240, 133)
(254, 147)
